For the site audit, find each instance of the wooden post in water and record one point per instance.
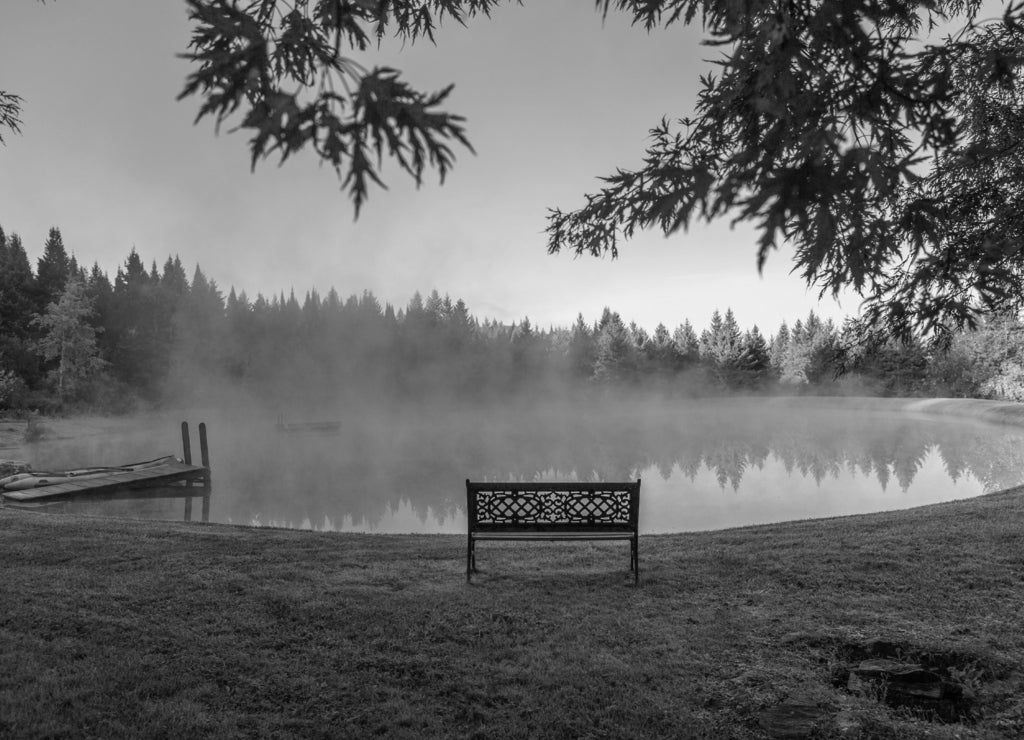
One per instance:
(186, 449)
(204, 451)
(186, 444)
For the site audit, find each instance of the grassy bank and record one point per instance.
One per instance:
(128, 629)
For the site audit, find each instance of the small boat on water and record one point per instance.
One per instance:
(312, 427)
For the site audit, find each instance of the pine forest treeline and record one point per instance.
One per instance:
(70, 338)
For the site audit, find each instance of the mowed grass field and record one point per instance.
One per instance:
(116, 628)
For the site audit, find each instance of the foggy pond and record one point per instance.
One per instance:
(705, 464)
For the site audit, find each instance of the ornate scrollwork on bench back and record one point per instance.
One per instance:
(553, 505)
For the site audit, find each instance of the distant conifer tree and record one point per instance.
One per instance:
(17, 288)
(69, 340)
(52, 271)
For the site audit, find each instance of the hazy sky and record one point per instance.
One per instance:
(554, 98)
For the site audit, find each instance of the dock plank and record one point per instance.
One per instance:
(157, 475)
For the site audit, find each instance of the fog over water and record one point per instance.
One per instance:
(705, 464)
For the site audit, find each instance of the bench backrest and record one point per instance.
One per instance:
(553, 506)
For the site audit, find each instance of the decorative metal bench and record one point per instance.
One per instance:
(553, 511)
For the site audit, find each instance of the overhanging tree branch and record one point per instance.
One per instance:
(816, 131)
(892, 166)
(282, 67)
(10, 113)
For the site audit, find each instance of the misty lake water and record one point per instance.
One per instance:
(705, 464)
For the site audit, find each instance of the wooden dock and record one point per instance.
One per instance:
(173, 474)
(164, 478)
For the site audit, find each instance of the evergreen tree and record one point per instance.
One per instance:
(52, 271)
(173, 280)
(17, 288)
(460, 333)
(291, 312)
(169, 289)
(721, 349)
(663, 356)
(74, 270)
(707, 336)
(332, 303)
(138, 339)
(639, 335)
(240, 337)
(18, 294)
(777, 349)
(755, 360)
(891, 367)
(525, 351)
(199, 331)
(812, 353)
(434, 308)
(794, 359)
(642, 350)
(607, 317)
(311, 317)
(462, 322)
(616, 356)
(101, 295)
(687, 345)
(370, 308)
(69, 340)
(582, 350)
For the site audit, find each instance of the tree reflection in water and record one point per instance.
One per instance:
(413, 463)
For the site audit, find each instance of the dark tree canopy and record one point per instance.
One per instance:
(890, 161)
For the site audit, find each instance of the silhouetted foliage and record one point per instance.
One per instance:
(282, 67)
(10, 113)
(893, 166)
(819, 128)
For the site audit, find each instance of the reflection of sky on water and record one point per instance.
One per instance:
(705, 465)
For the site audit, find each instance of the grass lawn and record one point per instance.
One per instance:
(114, 628)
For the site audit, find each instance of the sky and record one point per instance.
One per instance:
(554, 97)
